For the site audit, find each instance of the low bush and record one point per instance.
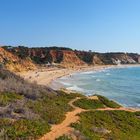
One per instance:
(28, 107)
(118, 125)
(47, 107)
(108, 103)
(64, 137)
(6, 98)
(24, 129)
(15, 84)
(88, 103)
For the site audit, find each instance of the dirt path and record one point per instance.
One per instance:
(71, 117)
(63, 128)
(121, 108)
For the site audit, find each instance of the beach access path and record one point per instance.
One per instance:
(72, 117)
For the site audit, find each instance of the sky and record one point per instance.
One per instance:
(97, 25)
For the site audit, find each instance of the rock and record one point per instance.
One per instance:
(101, 130)
(13, 62)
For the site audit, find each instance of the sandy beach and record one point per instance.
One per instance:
(44, 76)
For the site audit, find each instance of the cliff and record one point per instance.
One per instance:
(70, 58)
(119, 58)
(64, 57)
(108, 58)
(13, 62)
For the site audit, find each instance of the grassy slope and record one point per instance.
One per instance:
(86, 103)
(35, 117)
(108, 103)
(27, 110)
(121, 124)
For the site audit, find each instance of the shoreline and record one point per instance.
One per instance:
(45, 76)
(95, 68)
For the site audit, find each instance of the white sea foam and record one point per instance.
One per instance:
(65, 83)
(98, 80)
(88, 72)
(75, 88)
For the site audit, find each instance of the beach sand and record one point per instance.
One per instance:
(45, 76)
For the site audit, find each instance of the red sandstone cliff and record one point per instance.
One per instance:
(13, 62)
(69, 58)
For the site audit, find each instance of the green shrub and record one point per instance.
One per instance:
(137, 113)
(50, 109)
(108, 103)
(20, 100)
(6, 98)
(23, 128)
(64, 137)
(47, 106)
(27, 128)
(122, 125)
(2, 75)
(88, 103)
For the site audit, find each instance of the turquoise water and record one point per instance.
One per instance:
(119, 84)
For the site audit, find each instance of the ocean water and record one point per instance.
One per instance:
(119, 84)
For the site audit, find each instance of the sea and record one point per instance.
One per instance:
(119, 84)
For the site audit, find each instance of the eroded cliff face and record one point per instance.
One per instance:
(14, 63)
(65, 58)
(119, 58)
(96, 60)
(69, 58)
(56, 56)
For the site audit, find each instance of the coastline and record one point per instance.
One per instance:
(45, 76)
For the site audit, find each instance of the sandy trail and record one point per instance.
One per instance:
(72, 117)
(63, 128)
(121, 109)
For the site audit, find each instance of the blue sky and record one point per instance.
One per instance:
(98, 25)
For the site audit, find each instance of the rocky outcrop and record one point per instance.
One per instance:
(14, 63)
(108, 58)
(122, 58)
(64, 57)
(56, 56)
(96, 60)
(139, 59)
(87, 57)
(70, 59)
